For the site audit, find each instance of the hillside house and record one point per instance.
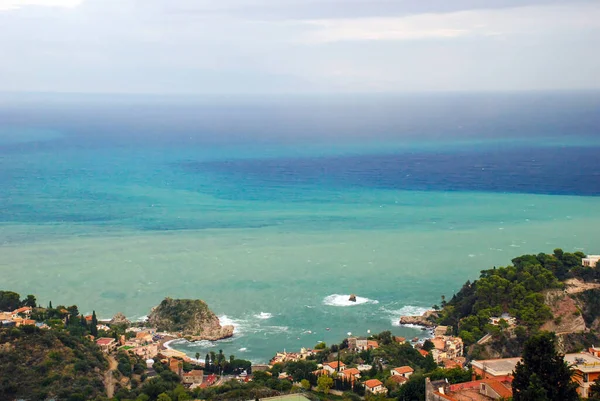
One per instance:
(374, 386)
(590, 260)
(404, 371)
(193, 377)
(106, 344)
(351, 374)
(446, 347)
(331, 367)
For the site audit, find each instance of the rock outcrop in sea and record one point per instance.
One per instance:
(352, 298)
(191, 318)
(425, 320)
(119, 318)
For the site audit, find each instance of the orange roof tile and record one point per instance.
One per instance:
(399, 379)
(334, 364)
(423, 352)
(372, 343)
(499, 388)
(351, 371)
(373, 383)
(23, 309)
(404, 369)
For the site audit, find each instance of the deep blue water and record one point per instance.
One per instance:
(275, 205)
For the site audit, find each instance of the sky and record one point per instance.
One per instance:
(298, 46)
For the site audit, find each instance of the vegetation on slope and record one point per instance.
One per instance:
(41, 364)
(516, 289)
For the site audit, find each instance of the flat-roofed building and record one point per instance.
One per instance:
(590, 260)
(495, 368)
(586, 369)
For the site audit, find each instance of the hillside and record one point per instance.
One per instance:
(543, 292)
(43, 364)
(192, 318)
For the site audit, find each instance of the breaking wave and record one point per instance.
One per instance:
(344, 300)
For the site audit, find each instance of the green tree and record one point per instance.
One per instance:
(324, 383)
(428, 345)
(30, 301)
(9, 300)
(163, 397)
(94, 325)
(543, 373)
(321, 346)
(594, 393)
(305, 384)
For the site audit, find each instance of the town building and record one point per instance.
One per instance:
(176, 366)
(331, 367)
(364, 367)
(351, 374)
(590, 260)
(361, 344)
(440, 331)
(499, 369)
(511, 321)
(446, 347)
(106, 344)
(477, 390)
(400, 380)
(25, 311)
(586, 368)
(374, 386)
(193, 377)
(404, 371)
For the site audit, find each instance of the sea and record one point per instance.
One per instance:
(274, 209)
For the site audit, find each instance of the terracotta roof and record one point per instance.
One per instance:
(28, 322)
(194, 373)
(439, 343)
(499, 388)
(404, 369)
(399, 379)
(373, 383)
(88, 318)
(372, 343)
(400, 339)
(334, 364)
(423, 352)
(105, 341)
(23, 309)
(351, 371)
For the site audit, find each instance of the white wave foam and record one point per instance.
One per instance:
(244, 326)
(343, 300)
(263, 315)
(408, 310)
(143, 319)
(243, 349)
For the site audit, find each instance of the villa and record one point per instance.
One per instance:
(404, 371)
(331, 367)
(374, 386)
(352, 374)
(590, 260)
(446, 347)
(106, 344)
(193, 377)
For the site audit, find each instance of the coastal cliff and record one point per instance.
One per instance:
(192, 318)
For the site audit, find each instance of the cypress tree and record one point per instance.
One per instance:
(94, 326)
(543, 374)
(50, 305)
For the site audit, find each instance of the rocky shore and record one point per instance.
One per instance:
(192, 319)
(425, 320)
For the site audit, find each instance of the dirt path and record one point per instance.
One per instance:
(575, 286)
(109, 379)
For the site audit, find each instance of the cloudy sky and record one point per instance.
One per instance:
(298, 46)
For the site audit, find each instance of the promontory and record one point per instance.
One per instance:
(190, 318)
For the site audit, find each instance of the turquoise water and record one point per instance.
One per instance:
(275, 233)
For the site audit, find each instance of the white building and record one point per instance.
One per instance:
(590, 260)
